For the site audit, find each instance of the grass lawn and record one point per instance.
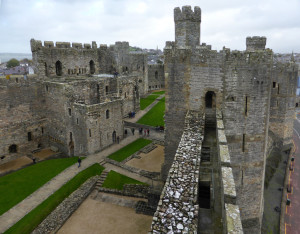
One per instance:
(155, 117)
(159, 92)
(37, 215)
(115, 180)
(144, 102)
(16, 186)
(130, 149)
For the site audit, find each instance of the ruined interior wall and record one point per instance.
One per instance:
(20, 113)
(245, 114)
(282, 105)
(57, 111)
(75, 60)
(156, 76)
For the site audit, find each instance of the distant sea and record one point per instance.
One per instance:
(4, 57)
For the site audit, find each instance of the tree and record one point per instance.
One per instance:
(13, 63)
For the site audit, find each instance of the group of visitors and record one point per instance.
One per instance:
(131, 114)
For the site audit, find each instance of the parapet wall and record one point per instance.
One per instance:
(231, 211)
(177, 210)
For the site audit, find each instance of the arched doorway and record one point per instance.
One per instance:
(58, 68)
(210, 99)
(12, 148)
(92, 67)
(114, 137)
(71, 145)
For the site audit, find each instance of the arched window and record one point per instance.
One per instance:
(156, 75)
(210, 99)
(13, 148)
(58, 68)
(92, 67)
(107, 114)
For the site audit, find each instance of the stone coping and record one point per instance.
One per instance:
(224, 155)
(228, 185)
(221, 137)
(233, 218)
(220, 124)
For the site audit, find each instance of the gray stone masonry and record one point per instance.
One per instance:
(177, 209)
(240, 84)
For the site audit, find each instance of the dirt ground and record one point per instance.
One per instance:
(96, 217)
(15, 164)
(43, 154)
(149, 162)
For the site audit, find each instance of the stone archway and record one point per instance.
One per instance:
(114, 137)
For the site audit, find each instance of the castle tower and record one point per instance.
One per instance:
(187, 26)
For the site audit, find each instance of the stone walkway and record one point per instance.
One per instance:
(17, 212)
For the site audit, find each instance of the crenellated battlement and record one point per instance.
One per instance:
(187, 14)
(37, 45)
(255, 43)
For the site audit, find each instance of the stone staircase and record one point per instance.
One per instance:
(102, 178)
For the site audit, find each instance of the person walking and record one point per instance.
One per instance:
(148, 131)
(79, 162)
(132, 130)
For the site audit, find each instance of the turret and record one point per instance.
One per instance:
(255, 43)
(187, 26)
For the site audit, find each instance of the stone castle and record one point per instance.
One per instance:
(224, 112)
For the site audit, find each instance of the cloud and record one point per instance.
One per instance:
(147, 23)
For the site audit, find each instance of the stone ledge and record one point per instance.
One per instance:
(233, 219)
(224, 155)
(228, 185)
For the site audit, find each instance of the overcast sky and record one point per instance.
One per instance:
(147, 23)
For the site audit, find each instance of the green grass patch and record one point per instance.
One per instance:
(115, 180)
(155, 116)
(29, 222)
(144, 102)
(16, 186)
(130, 149)
(159, 92)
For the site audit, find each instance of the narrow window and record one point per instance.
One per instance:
(47, 88)
(277, 103)
(69, 71)
(58, 68)
(71, 136)
(107, 114)
(149, 87)
(90, 132)
(42, 130)
(278, 89)
(70, 111)
(156, 75)
(246, 106)
(106, 90)
(244, 142)
(46, 70)
(17, 80)
(29, 137)
(242, 177)
(125, 94)
(77, 120)
(274, 84)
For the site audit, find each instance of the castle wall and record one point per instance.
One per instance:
(245, 114)
(20, 116)
(283, 99)
(156, 76)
